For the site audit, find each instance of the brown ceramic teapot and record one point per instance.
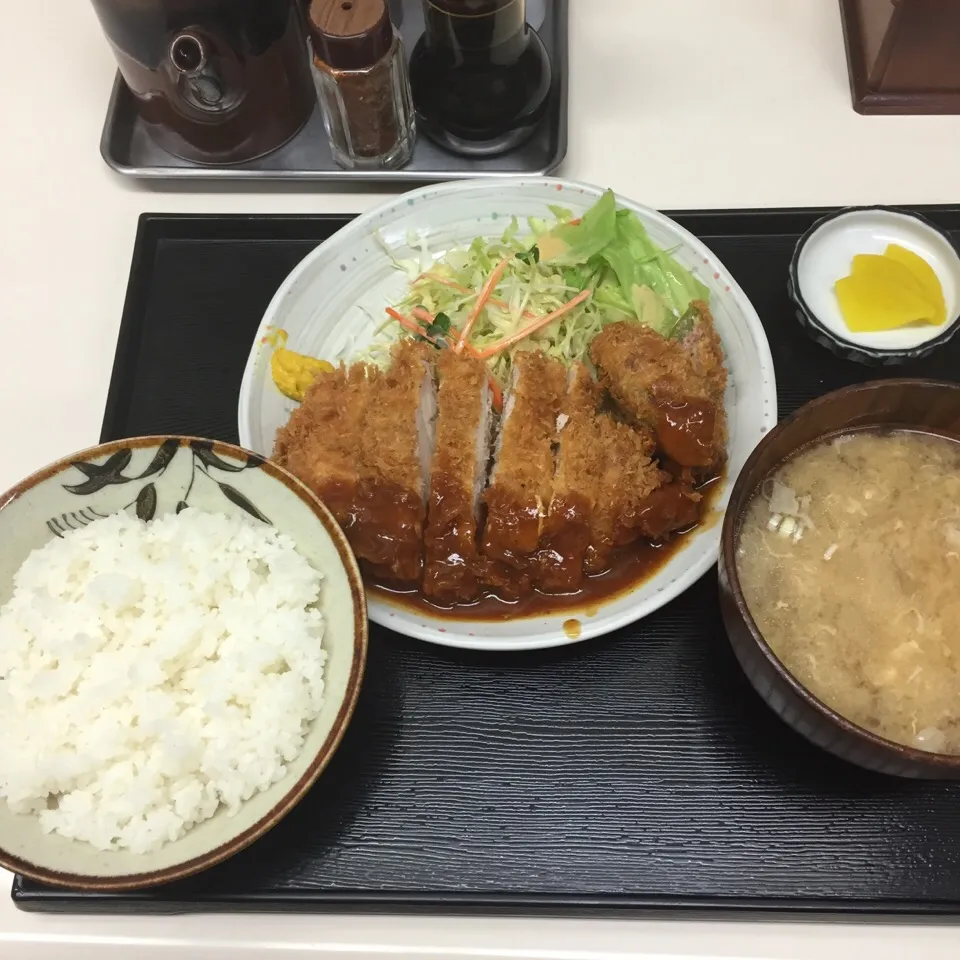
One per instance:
(217, 81)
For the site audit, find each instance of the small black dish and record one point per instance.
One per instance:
(823, 255)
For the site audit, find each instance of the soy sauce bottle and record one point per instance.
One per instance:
(480, 75)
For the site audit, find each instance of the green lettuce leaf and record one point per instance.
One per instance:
(617, 240)
(638, 262)
(568, 244)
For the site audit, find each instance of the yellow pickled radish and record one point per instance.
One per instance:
(879, 268)
(926, 276)
(886, 292)
(875, 300)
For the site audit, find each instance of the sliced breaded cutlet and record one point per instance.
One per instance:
(318, 444)
(395, 446)
(453, 567)
(627, 478)
(520, 482)
(668, 386)
(576, 486)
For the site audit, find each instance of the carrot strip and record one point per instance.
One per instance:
(422, 314)
(443, 281)
(460, 288)
(485, 294)
(500, 304)
(531, 328)
(412, 326)
(496, 393)
(425, 316)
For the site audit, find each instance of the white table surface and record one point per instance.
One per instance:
(676, 103)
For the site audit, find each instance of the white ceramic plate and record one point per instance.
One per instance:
(328, 305)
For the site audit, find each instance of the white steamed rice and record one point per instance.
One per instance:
(152, 672)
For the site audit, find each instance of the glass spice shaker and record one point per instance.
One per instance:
(361, 75)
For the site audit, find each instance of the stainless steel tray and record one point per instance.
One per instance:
(127, 147)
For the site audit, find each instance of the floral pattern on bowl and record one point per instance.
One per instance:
(203, 459)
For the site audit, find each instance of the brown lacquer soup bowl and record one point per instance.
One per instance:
(921, 405)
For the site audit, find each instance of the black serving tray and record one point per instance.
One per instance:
(127, 147)
(635, 772)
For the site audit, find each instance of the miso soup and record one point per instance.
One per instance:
(849, 560)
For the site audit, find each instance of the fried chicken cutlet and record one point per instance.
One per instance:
(318, 444)
(576, 486)
(570, 483)
(673, 387)
(453, 566)
(627, 476)
(393, 458)
(519, 491)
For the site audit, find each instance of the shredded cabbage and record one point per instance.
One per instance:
(606, 251)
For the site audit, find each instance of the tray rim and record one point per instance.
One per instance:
(155, 227)
(52, 900)
(241, 172)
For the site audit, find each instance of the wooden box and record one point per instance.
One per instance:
(903, 55)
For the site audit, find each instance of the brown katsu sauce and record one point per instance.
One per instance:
(387, 532)
(685, 430)
(628, 567)
(566, 535)
(675, 506)
(339, 496)
(513, 527)
(450, 552)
